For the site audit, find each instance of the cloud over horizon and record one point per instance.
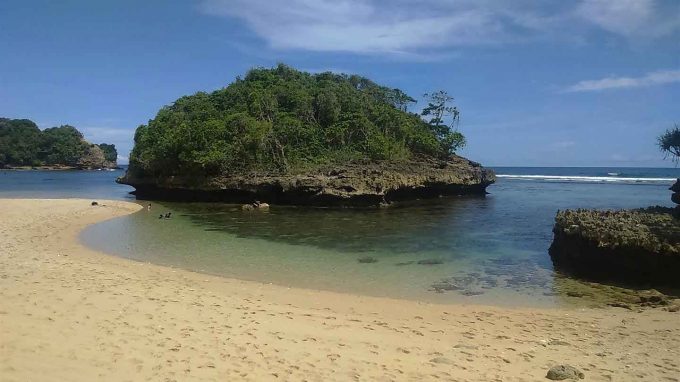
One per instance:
(659, 77)
(403, 27)
(631, 18)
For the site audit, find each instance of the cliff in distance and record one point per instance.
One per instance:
(24, 145)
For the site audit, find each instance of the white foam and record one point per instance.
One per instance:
(596, 179)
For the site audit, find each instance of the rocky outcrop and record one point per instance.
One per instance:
(352, 184)
(256, 205)
(93, 158)
(676, 186)
(562, 372)
(630, 247)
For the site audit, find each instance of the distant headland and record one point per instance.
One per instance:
(284, 136)
(24, 146)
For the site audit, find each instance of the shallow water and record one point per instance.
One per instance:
(493, 248)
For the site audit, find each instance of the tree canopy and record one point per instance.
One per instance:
(62, 145)
(110, 152)
(22, 143)
(284, 120)
(669, 143)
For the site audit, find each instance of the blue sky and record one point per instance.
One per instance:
(539, 83)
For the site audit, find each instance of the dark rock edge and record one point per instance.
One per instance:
(365, 184)
(577, 253)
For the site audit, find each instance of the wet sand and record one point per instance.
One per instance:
(70, 313)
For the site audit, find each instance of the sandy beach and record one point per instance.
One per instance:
(68, 313)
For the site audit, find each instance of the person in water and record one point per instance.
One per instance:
(148, 208)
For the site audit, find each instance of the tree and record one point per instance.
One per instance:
(438, 110)
(23, 144)
(110, 152)
(282, 120)
(669, 143)
(400, 99)
(19, 142)
(62, 145)
(327, 108)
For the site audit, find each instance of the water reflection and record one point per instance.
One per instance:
(414, 228)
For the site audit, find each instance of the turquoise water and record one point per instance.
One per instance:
(493, 248)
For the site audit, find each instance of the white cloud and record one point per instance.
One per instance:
(660, 77)
(411, 28)
(359, 25)
(632, 17)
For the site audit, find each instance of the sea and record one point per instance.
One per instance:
(489, 249)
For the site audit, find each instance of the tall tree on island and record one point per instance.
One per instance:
(438, 110)
(669, 143)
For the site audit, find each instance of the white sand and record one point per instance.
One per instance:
(68, 313)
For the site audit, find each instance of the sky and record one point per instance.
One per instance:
(538, 83)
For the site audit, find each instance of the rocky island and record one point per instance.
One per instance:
(24, 146)
(640, 247)
(288, 137)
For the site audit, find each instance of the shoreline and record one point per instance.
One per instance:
(580, 294)
(72, 313)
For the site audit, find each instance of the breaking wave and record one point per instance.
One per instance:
(589, 179)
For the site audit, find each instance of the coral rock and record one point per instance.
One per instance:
(630, 247)
(352, 184)
(562, 372)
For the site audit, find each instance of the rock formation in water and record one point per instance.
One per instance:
(93, 158)
(631, 247)
(352, 184)
(288, 137)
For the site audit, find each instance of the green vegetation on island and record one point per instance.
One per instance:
(23, 144)
(110, 152)
(281, 120)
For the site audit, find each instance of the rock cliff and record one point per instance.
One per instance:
(631, 247)
(93, 158)
(370, 183)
